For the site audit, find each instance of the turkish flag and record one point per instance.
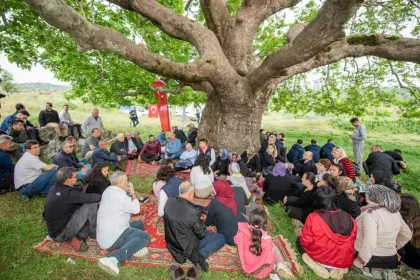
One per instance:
(153, 111)
(162, 105)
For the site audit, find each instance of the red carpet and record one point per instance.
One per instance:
(140, 169)
(225, 260)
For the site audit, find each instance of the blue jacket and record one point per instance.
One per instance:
(162, 139)
(6, 164)
(171, 188)
(66, 160)
(7, 122)
(174, 146)
(316, 151)
(326, 151)
(295, 153)
(100, 155)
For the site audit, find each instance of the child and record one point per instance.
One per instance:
(258, 254)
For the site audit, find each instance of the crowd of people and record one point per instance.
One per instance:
(343, 221)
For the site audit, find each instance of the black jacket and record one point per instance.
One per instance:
(276, 188)
(46, 117)
(18, 136)
(137, 142)
(301, 167)
(192, 134)
(348, 205)
(304, 201)
(280, 151)
(378, 161)
(119, 148)
(179, 134)
(221, 165)
(183, 229)
(62, 201)
(98, 187)
(244, 169)
(66, 160)
(253, 163)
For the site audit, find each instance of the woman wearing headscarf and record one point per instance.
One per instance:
(220, 167)
(246, 172)
(237, 179)
(223, 211)
(381, 232)
(277, 184)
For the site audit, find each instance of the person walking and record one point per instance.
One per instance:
(358, 138)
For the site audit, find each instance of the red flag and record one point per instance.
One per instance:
(153, 111)
(162, 106)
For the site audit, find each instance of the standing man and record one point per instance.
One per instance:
(192, 134)
(50, 118)
(7, 168)
(91, 122)
(114, 230)
(133, 116)
(91, 144)
(358, 138)
(66, 119)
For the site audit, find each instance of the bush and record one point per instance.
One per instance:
(394, 126)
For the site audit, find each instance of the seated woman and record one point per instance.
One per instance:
(378, 177)
(249, 177)
(299, 203)
(381, 231)
(252, 160)
(202, 177)
(257, 252)
(327, 240)
(327, 180)
(340, 157)
(223, 211)
(220, 166)
(97, 181)
(410, 212)
(346, 190)
(277, 184)
(162, 176)
(323, 167)
(237, 179)
(269, 158)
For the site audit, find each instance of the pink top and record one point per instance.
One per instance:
(259, 266)
(157, 186)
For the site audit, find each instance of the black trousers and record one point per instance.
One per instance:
(295, 212)
(388, 262)
(8, 182)
(149, 157)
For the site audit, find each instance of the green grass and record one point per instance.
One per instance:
(22, 227)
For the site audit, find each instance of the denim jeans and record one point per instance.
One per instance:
(211, 243)
(171, 156)
(82, 174)
(70, 125)
(131, 240)
(41, 185)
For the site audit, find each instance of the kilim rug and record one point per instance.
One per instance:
(225, 259)
(140, 169)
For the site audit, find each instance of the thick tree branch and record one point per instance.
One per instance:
(149, 89)
(326, 28)
(90, 36)
(217, 16)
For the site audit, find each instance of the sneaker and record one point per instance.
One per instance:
(141, 253)
(338, 273)
(318, 269)
(79, 245)
(283, 270)
(110, 265)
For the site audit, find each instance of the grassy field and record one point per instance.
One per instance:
(22, 227)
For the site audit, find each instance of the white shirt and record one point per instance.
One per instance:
(199, 179)
(163, 197)
(131, 146)
(114, 215)
(27, 169)
(65, 116)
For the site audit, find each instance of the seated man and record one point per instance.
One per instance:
(34, 131)
(151, 151)
(379, 161)
(119, 148)
(326, 150)
(92, 122)
(66, 119)
(305, 165)
(396, 155)
(296, 152)
(28, 177)
(137, 141)
(186, 234)
(7, 168)
(66, 158)
(69, 213)
(207, 151)
(50, 118)
(114, 230)
(187, 158)
(133, 145)
(315, 149)
(173, 148)
(19, 136)
(272, 140)
(91, 144)
(170, 189)
(102, 155)
(162, 138)
(179, 134)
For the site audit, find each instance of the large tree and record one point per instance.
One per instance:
(235, 51)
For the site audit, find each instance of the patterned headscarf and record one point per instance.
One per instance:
(384, 197)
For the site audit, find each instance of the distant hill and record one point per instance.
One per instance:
(42, 87)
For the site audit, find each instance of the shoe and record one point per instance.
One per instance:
(79, 245)
(143, 199)
(338, 273)
(110, 265)
(141, 253)
(318, 269)
(194, 272)
(283, 270)
(202, 262)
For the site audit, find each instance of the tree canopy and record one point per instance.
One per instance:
(349, 56)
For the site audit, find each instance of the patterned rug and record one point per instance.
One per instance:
(225, 259)
(134, 168)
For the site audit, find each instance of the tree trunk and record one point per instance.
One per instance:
(232, 120)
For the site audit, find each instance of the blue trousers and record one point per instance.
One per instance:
(171, 156)
(131, 240)
(82, 174)
(41, 185)
(211, 243)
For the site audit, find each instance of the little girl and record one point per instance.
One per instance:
(259, 256)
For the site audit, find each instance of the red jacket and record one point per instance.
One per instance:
(151, 148)
(348, 167)
(326, 247)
